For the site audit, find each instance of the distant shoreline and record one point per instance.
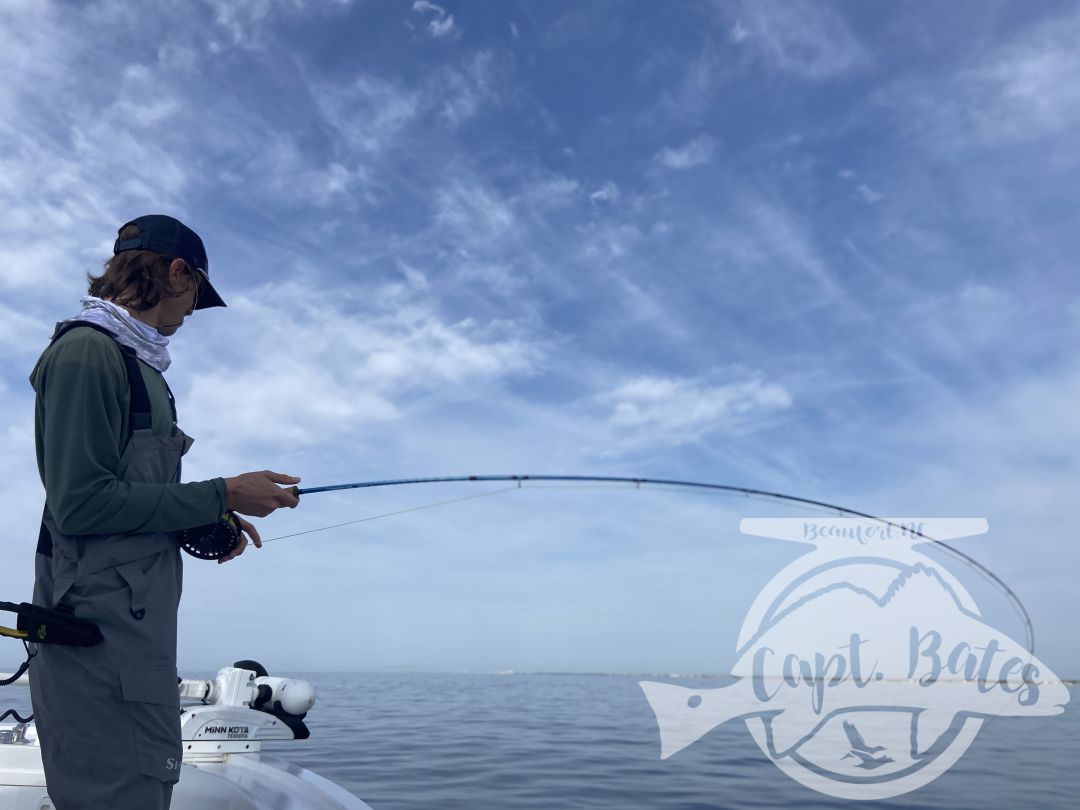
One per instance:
(700, 676)
(686, 676)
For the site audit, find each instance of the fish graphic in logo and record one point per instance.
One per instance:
(864, 668)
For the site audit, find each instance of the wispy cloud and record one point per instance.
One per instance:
(440, 22)
(607, 193)
(672, 411)
(768, 236)
(367, 112)
(473, 212)
(695, 152)
(21, 335)
(459, 94)
(807, 40)
(867, 194)
(368, 352)
(247, 21)
(804, 38)
(1015, 94)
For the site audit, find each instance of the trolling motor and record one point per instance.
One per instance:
(240, 706)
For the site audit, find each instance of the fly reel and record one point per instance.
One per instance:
(214, 540)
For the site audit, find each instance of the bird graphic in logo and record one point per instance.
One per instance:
(859, 641)
(862, 751)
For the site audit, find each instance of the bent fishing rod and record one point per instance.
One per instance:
(217, 540)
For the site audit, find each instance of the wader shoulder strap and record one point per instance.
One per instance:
(172, 401)
(140, 398)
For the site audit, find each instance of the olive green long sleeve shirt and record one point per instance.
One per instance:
(81, 429)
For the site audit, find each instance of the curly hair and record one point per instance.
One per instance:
(134, 278)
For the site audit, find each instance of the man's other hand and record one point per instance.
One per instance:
(246, 531)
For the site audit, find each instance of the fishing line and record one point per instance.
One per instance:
(391, 514)
(638, 483)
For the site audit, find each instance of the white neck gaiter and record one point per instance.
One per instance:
(149, 345)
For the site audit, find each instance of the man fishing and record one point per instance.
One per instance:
(108, 451)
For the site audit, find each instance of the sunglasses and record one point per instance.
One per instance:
(195, 274)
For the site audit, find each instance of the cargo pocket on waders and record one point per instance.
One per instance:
(152, 709)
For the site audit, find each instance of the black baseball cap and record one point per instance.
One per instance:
(171, 237)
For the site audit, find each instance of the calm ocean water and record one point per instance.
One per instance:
(525, 742)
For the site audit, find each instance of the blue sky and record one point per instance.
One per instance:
(825, 249)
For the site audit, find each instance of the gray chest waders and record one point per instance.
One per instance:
(108, 715)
